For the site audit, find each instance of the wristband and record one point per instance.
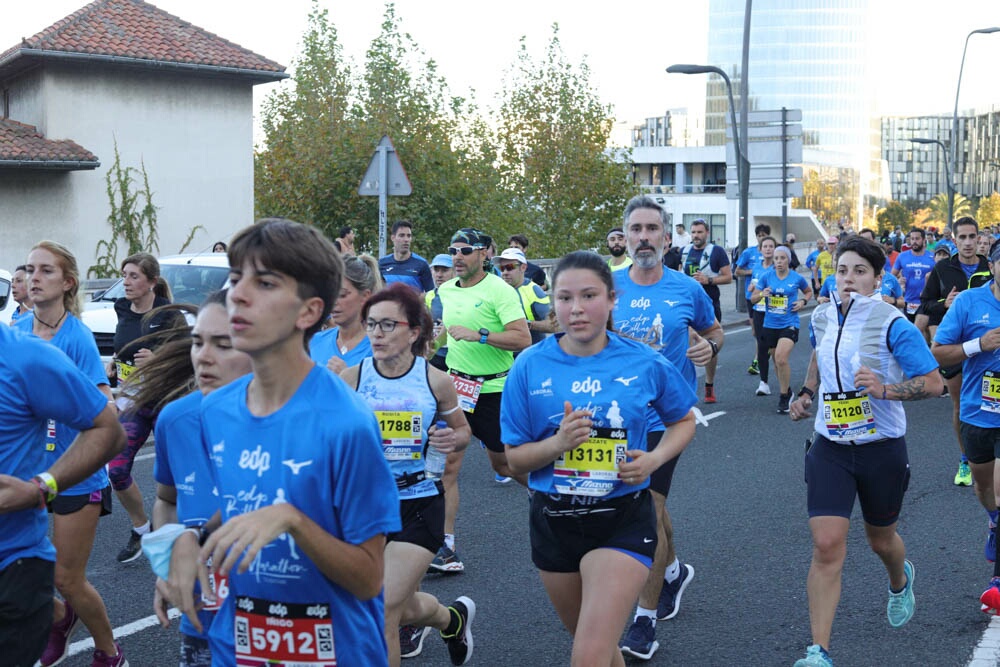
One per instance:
(806, 391)
(51, 487)
(43, 493)
(714, 346)
(972, 347)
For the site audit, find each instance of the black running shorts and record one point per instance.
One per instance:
(26, 588)
(423, 522)
(876, 473)
(566, 528)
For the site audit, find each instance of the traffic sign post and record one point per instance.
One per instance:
(773, 140)
(385, 176)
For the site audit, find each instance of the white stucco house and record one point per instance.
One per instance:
(174, 96)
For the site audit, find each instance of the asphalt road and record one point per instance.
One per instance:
(739, 512)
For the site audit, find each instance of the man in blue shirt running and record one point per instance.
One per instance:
(402, 265)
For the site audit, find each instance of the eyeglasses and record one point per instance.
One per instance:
(387, 326)
(465, 250)
(509, 267)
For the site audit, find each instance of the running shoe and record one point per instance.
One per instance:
(754, 368)
(460, 644)
(102, 659)
(411, 640)
(58, 647)
(816, 656)
(132, 550)
(709, 394)
(783, 402)
(763, 389)
(901, 604)
(446, 561)
(670, 595)
(990, 598)
(964, 475)
(990, 551)
(640, 640)
(500, 479)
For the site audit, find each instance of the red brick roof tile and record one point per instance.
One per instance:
(138, 30)
(23, 143)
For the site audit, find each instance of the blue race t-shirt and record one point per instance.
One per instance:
(749, 259)
(784, 292)
(617, 385)
(659, 315)
(950, 245)
(914, 270)
(77, 341)
(183, 464)
(322, 453)
(323, 345)
(973, 313)
(890, 286)
(413, 271)
(38, 382)
(811, 259)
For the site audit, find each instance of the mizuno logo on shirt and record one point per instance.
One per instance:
(670, 303)
(296, 466)
(626, 381)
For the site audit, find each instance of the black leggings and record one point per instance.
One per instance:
(763, 362)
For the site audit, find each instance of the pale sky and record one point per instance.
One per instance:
(918, 49)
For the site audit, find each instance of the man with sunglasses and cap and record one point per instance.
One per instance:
(534, 301)
(484, 325)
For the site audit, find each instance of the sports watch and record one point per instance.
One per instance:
(483, 334)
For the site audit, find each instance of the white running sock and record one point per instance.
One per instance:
(142, 530)
(449, 541)
(673, 571)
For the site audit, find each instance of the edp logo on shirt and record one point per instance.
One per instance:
(588, 386)
(641, 302)
(256, 460)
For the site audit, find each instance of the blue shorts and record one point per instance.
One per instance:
(876, 473)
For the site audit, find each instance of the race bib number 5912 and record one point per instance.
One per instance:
(270, 634)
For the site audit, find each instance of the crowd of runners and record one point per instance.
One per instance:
(311, 421)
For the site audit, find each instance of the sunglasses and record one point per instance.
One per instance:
(508, 267)
(465, 250)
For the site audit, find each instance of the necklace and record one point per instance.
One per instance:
(52, 326)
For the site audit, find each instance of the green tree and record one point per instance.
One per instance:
(938, 208)
(892, 216)
(989, 210)
(132, 218)
(565, 188)
(320, 134)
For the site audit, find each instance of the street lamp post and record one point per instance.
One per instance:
(954, 118)
(739, 141)
(947, 173)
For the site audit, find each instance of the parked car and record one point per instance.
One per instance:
(191, 278)
(7, 303)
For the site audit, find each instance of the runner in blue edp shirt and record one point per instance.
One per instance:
(615, 385)
(77, 341)
(778, 312)
(322, 453)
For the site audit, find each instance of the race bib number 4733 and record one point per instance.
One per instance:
(283, 634)
(468, 392)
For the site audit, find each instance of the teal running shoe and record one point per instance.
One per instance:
(901, 605)
(816, 656)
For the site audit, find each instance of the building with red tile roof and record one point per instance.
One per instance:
(170, 95)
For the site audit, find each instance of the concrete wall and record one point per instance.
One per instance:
(195, 136)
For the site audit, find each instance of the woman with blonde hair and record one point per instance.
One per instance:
(346, 343)
(54, 284)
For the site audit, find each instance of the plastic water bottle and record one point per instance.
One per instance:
(434, 463)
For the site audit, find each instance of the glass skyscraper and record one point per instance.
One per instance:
(809, 56)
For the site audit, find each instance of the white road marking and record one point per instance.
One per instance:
(987, 652)
(701, 418)
(143, 457)
(123, 631)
